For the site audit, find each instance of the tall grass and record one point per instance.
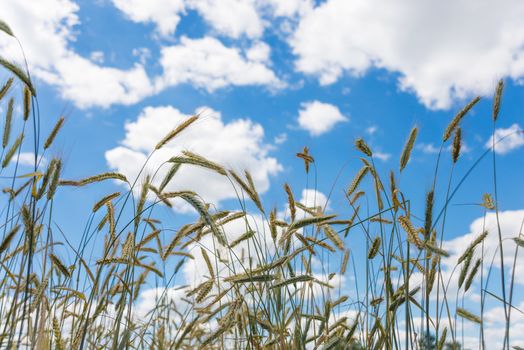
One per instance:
(262, 288)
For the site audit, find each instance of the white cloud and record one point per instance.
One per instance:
(313, 198)
(318, 117)
(310, 198)
(233, 18)
(90, 85)
(288, 8)
(509, 139)
(165, 14)
(208, 64)
(205, 63)
(46, 44)
(441, 55)
(259, 52)
(52, 23)
(237, 145)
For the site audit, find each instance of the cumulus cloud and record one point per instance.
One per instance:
(238, 145)
(205, 62)
(259, 52)
(318, 118)
(313, 198)
(208, 64)
(288, 8)
(507, 140)
(233, 18)
(46, 44)
(440, 55)
(165, 14)
(88, 84)
(52, 23)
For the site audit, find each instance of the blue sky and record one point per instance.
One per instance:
(273, 77)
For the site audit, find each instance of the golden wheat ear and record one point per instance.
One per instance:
(458, 118)
(406, 152)
(171, 135)
(497, 99)
(19, 73)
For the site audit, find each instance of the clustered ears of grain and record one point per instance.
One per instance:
(262, 289)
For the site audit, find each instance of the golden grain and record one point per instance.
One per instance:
(408, 147)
